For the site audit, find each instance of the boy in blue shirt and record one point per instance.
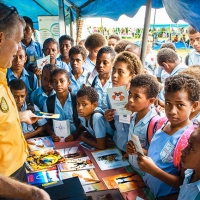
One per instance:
(104, 64)
(142, 95)
(40, 95)
(66, 43)
(51, 47)
(18, 90)
(33, 49)
(93, 43)
(17, 71)
(78, 74)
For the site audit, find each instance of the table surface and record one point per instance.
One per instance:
(101, 174)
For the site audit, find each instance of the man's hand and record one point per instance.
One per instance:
(28, 117)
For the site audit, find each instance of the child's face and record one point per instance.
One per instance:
(19, 60)
(20, 97)
(45, 80)
(60, 83)
(28, 31)
(112, 42)
(76, 62)
(93, 52)
(65, 46)
(104, 63)
(52, 50)
(190, 158)
(121, 75)
(178, 107)
(137, 100)
(84, 107)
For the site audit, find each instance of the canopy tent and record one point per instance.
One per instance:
(187, 10)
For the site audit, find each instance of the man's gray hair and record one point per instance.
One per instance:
(9, 20)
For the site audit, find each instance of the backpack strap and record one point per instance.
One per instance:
(151, 127)
(30, 106)
(160, 122)
(94, 81)
(51, 106)
(187, 59)
(181, 144)
(74, 109)
(31, 79)
(91, 117)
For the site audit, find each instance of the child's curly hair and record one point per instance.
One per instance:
(183, 82)
(95, 40)
(78, 50)
(134, 65)
(169, 45)
(90, 92)
(148, 82)
(193, 70)
(121, 45)
(107, 49)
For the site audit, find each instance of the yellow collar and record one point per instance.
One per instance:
(3, 75)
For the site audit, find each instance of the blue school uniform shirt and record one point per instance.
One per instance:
(62, 65)
(140, 129)
(39, 97)
(189, 191)
(196, 120)
(194, 58)
(65, 112)
(24, 76)
(100, 126)
(27, 128)
(89, 65)
(33, 49)
(161, 151)
(102, 92)
(77, 84)
(175, 71)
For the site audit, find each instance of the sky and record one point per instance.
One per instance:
(136, 22)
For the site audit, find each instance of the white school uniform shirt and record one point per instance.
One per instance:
(89, 65)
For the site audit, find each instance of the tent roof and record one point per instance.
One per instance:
(187, 10)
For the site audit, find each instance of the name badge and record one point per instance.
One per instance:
(125, 119)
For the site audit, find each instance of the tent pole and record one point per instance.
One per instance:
(62, 26)
(146, 30)
(71, 25)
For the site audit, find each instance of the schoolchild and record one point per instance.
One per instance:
(93, 43)
(169, 61)
(142, 95)
(66, 43)
(190, 160)
(126, 67)
(33, 48)
(162, 163)
(104, 64)
(40, 95)
(17, 71)
(121, 45)
(194, 70)
(112, 40)
(92, 118)
(60, 103)
(19, 92)
(78, 75)
(51, 47)
(134, 48)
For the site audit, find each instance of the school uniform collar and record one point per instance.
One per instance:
(109, 81)
(24, 107)
(84, 74)
(152, 112)
(3, 76)
(32, 43)
(188, 175)
(69, 99)
(195, 52)
(11, 73)
(177, 68)
(88, 60)
(41, 92)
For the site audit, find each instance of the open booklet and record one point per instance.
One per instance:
(46, 115)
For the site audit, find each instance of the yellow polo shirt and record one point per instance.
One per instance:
(13, 148)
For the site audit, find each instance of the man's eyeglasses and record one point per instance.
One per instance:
(13, 10)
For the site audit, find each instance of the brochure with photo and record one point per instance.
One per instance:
(46, 115)
(118, 97)
(43, 61)
(85, 176)
(109, 159)
(76, 164)
(40, 143)
(124, 182)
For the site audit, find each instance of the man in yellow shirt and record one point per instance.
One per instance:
(13, 150)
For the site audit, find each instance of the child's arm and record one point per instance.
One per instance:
(49, 130)
(147, 165)
(34, 133)
(75, 135)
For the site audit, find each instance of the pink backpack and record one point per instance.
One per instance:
(156, 123)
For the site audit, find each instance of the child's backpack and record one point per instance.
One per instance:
(156, 123)
(51, 105)
(30, 106)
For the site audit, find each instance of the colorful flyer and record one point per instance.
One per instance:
(46, 115)
(118, 97)
(43, 61)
